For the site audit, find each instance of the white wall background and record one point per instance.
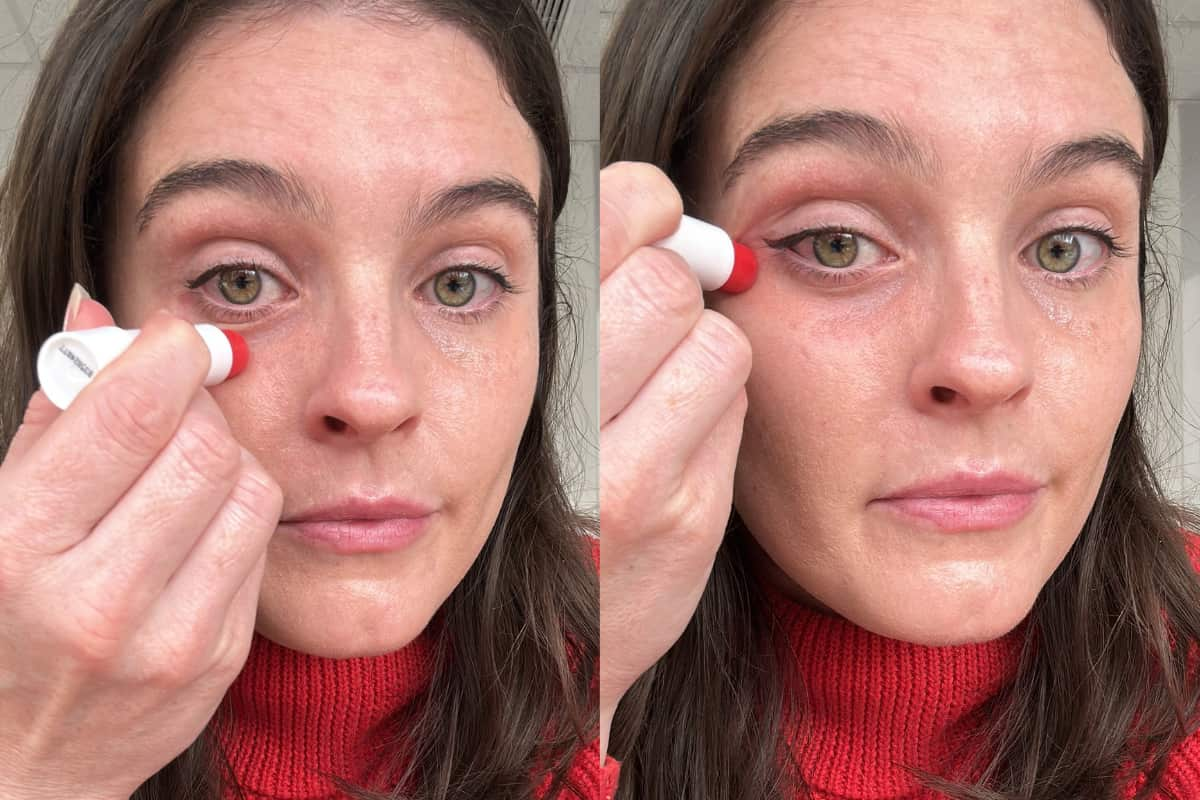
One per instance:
(27, 26)
(1177, 208)
(579, 46)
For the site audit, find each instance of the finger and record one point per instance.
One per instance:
(674, 413)
(40, 412)
(132, 553)
(203, 591)
(689, 524)
(638, 206)
(96, 449)
(233, 643)
(39, 415)
(708, 477)
(646, 309)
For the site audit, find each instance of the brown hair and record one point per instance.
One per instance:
(1122, 611)
(525, 616)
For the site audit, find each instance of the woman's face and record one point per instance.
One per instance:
(964, 316)
(354, 197)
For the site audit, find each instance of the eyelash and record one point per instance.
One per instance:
(827, 276)
(479, 314)
(248, 315)
(232, 313)
(1114, 247)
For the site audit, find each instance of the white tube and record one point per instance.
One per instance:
(68, 361)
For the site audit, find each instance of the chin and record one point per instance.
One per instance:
(942, 618)
(344, 633)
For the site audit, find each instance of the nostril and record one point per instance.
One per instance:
(943, 395)
(334, 424)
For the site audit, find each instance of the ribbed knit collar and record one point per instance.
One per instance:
(875, 704)
(293, 716)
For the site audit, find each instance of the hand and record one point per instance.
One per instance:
(132, 550)
(672, 403)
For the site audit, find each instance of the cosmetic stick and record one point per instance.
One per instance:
(721, 264)
(69, 360)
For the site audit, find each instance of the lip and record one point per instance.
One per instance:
(963, 502)
(359, 525)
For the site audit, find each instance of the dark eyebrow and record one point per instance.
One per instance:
(464, 198)
(280, 188)
(886, 142)
(1075, 156)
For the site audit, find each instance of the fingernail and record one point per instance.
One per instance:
(78, 295)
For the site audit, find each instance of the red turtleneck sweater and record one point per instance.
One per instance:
(876, 704)
(294, 718)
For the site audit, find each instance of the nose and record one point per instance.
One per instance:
(978, 338)
(372, 381)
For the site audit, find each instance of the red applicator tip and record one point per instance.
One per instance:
(744, 272)
(241, 353)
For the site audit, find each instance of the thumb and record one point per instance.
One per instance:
(41, 413)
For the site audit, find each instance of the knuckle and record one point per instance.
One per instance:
(641, 184)
(171, 663)
(614, 225)
(130, 419)
(184, 341)
(720, 346)
(208, 450)
(692, 510)
(618, 504)
(661, 286)
(628, 491)
(228, 546)
(40, 411)
(258, 496)
(230, 655)
(95, 633)
(741, 403)
(635, 199)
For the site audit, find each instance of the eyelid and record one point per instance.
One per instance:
(227, 312)
(1112, 246)
(829, 275)
(217, 269)
(469, 313)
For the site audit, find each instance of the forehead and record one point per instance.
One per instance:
(373, 104)
(973, 78)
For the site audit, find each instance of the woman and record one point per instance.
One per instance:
(950, 570)
(367, 193)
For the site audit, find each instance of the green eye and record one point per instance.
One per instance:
(835, 249)
(1058, 252)
(240, 286)
(455, 287)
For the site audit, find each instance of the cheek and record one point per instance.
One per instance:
(1087, 370)
(818, 391)
(819, 366)
(264, 405)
